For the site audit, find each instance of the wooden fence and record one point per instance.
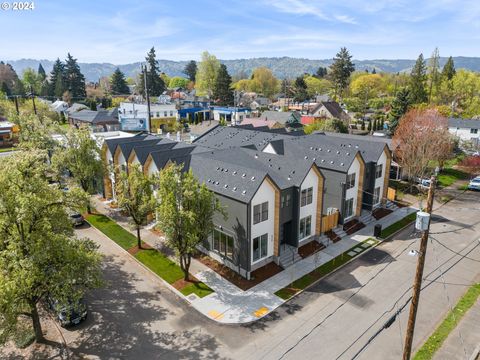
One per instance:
(329, 221)
(391, 194)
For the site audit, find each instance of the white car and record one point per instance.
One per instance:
(474, 184)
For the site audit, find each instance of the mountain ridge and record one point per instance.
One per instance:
(282, 67)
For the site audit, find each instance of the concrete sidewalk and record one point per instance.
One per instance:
(231, 305)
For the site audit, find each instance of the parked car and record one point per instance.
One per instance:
(76, 219)
(474, 184)
(71, 314)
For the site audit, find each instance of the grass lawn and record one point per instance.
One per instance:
(7, 149)
(448, 176)
(160, 265)
(198, 288)
(436, 340)
(308, 279)
(114, 231)
(398, 225)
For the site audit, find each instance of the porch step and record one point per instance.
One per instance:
(288, 255)
(367, 218)
(391, 205)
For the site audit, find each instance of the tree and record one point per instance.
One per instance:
(191, 70)
(32, 79)
(448, 70)
(321, 72)
(399, 108)
(185, 211)
(57, 79)
(341, 70)
(40, 254)
(316, 86)
(118, 84)
(207, 73)
(300, 92)
(365, 87)
(331, 125)
(81, 157)
(41, 72)
(222, 92)
(434, 74)
(421, 137)
(74, 79)
(417, 81)
(155, 84)
(36, 131)
(178, 82)
(135, 196)
(10, 78)
(263, 82)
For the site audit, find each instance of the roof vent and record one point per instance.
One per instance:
(218, 168)
(234, 188)
(314, 159)
(348, 154)
(311, 147)
(244, 192)
(225, 186)
(226, 170)
(319, 149)
(328, 150)
(208, 180)
(323, 160)
(234, 173)
(331, 162)
(356, 146)
(243, 175)
(338, 152)
(306, 157)
(216, 182)
(256, 156)
(289, 178)
(253, 178)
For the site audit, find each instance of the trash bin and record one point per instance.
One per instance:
(377, 230)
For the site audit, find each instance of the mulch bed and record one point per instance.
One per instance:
(135, 249)
(332, 236)
(257, 276)
(380, 213)
(353, 226)
(181, 283)
(310, 248)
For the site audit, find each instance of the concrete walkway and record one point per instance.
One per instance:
(231, 305)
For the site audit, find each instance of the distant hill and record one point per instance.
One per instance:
(283, 67)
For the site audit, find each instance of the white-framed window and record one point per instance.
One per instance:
(473, 131)
(378, 171)
(305, 227)
(306, 196)
(348, 208)
(350, 181)
(222, 243)
(285, 200)
(260, 212)
(260, 246)
(376, 195)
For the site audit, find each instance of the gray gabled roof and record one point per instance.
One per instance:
(463, 123)
(282, 117)
(162, 157)
(126, 148)
(143, 151)
(112, 143)
(333, 108)
(96, 117)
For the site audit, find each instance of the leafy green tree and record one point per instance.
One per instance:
(134, 195)
(74, 79)
(400, 106)
(331, 125)
(263, 82)
(448, 71)
(222, 92)
(40, 254)
(369, 128)
(11, 79)
(32, 79)
(321, 72)
(185, 211)
(5, 89)
(57, 79)
(317, 85)
(81, 157)
(434, 75)
(178, 82)
(207, 73)
(300, 86)
(36, 131)
(341, 70)
(155, 84)
(191, 70)
(418, 77)
(118, 84)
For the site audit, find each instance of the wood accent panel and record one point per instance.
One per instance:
(131, 157)
(276, 230)
(386, 176)
(391, 193)
(147, 164)
(330, 222)
(318, 219)
(116, 154)
(107, 182)
(361, 177)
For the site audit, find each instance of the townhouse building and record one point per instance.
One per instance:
(276, 188)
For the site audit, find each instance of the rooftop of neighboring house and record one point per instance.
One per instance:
(463, 123)
(332, 107)
(257, 122)
(76, 107)
(96, 117)
(112, 143)
(282, 117)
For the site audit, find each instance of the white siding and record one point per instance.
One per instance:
(380, 182)
(464, 133)
(353, 192)
(265, 192)
(152, 169)
(311, 180)
(135, 160)
(269, 149)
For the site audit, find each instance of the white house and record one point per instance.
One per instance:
(465, 129)
(134, 117)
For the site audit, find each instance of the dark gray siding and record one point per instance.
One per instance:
(333, 194)
(368, 185)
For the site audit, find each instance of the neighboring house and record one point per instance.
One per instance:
(465, 129)
(285, 118)
(76, 107)
(258, 122)
(134, 117)
(98, 121)
(330, 110)
(230, 114)
(260, 102)
(275, 187)
(59, 106)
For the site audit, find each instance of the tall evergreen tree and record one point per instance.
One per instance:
(321, 72)
(74, 79)
(57, 81)
(118, 83)
(41, 72)
(156, 85)
(374, 71)
(5, 89)
(222, 91)
(448, 71)
(191, 70)
(399, 108)
(300, 90)
(341, 70)
(418, 78)
(434, 74)
(44, 86)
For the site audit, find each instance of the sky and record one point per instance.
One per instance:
(121, 32)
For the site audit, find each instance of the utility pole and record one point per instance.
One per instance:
(33, 100)
(16, 104)
(147, 97)
(417, 284)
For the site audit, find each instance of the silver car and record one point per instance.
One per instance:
(77, 219)
(474, 184)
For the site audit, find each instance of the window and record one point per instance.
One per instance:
(305, 227)
(260, 212)
(350, 181)
(306, 197)
(165, 114)
(378, 171)
(171, 113)
(348, 208)
(223, 243)
(158, 114)
(260, 246)
(285, 200)
(473, 131)
(376, 196)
